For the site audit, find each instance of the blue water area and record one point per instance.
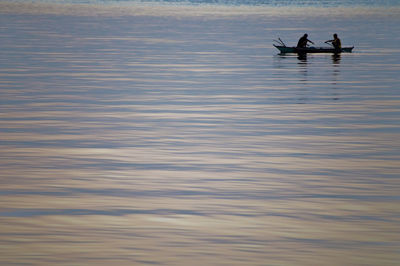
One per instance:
(282, 3)
(144, 135)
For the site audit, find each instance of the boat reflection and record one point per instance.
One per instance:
(313, 71)
(302, 57)
(336, 58)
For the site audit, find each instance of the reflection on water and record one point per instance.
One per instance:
(336, 59)
(302, 58)
(155, 140)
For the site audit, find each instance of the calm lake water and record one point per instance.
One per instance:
(179, 136)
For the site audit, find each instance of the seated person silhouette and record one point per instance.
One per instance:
(302, 43)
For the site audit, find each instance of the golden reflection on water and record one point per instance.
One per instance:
(135, 145)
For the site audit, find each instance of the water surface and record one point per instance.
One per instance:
(157, 138)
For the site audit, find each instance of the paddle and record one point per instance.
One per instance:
(330, 43)
(282, 42)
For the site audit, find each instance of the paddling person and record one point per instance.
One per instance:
(302, 43)
(336, 43)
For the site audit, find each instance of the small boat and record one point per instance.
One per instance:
(286, 49)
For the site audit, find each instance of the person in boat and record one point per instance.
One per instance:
(336, 43)
(302, 43)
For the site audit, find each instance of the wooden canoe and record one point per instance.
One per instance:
(286, 49)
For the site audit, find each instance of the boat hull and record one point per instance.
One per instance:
(285, 49)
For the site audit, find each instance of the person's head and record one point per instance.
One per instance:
(305, 35)
(335, 36)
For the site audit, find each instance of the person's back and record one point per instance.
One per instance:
(303, 41)
(336, 42)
